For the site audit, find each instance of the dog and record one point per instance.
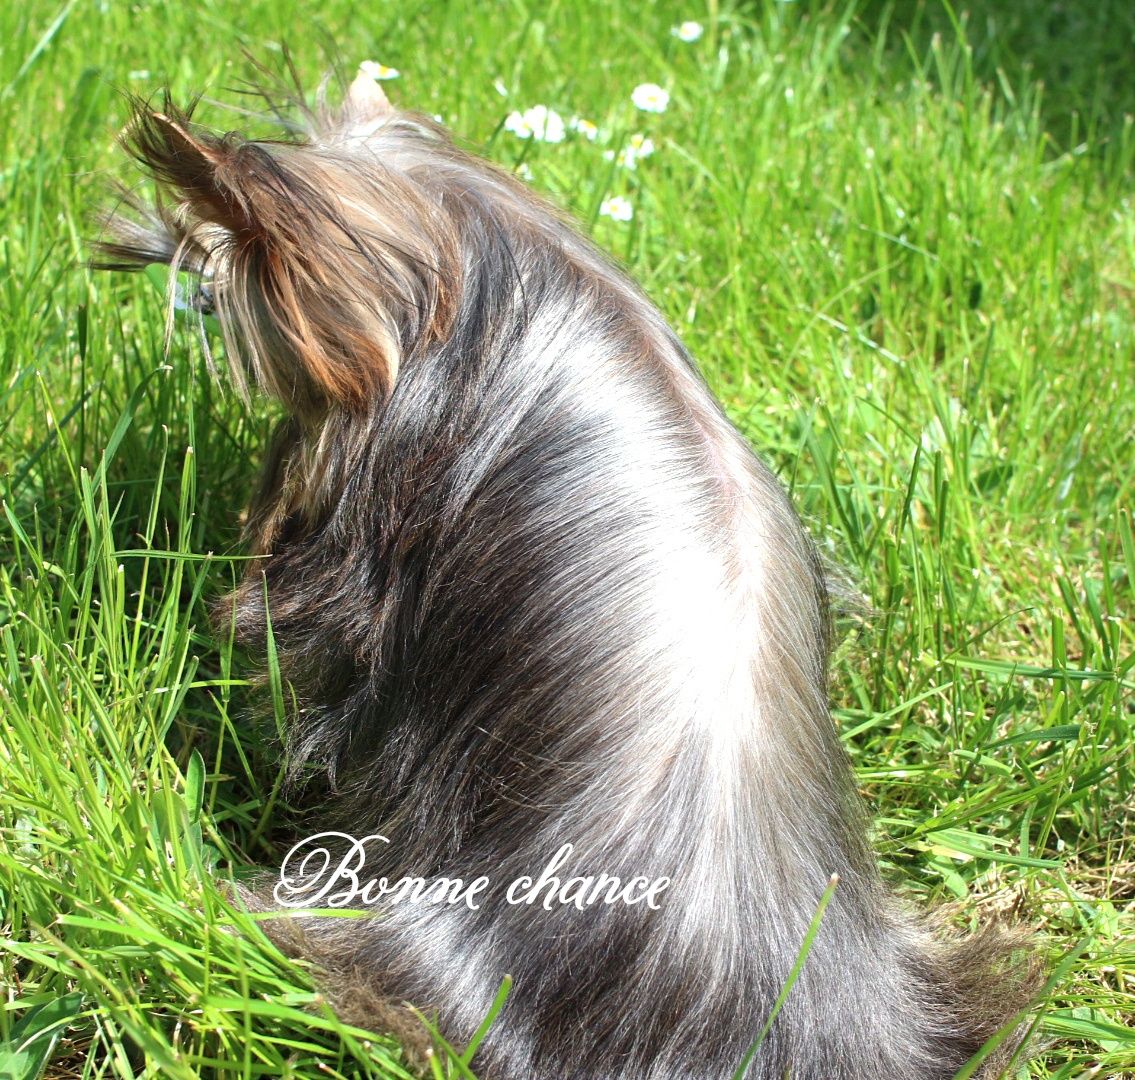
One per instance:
(537, 600)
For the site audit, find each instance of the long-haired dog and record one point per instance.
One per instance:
(531, 588)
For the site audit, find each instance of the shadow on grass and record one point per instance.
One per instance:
(1080, 50)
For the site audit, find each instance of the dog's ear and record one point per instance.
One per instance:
(326, 268)
(194, 166)
(365, 107)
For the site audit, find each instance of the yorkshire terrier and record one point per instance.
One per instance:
(532, 588)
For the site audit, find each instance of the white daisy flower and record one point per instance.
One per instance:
(523, 171)
(638, 147)
(650, 97)
(689, 31)
(517, 125)
(583, 127)
(539, 123)
(617, 208)
(547, 125)
(500, 88)
(380, 72)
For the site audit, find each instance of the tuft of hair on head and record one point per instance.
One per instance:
(327, 268)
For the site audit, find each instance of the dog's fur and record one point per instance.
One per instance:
(531, 587)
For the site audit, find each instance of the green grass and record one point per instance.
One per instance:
(906, 269)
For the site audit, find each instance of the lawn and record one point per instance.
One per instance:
(900, 239)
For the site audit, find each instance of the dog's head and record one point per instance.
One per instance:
(326, 266)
